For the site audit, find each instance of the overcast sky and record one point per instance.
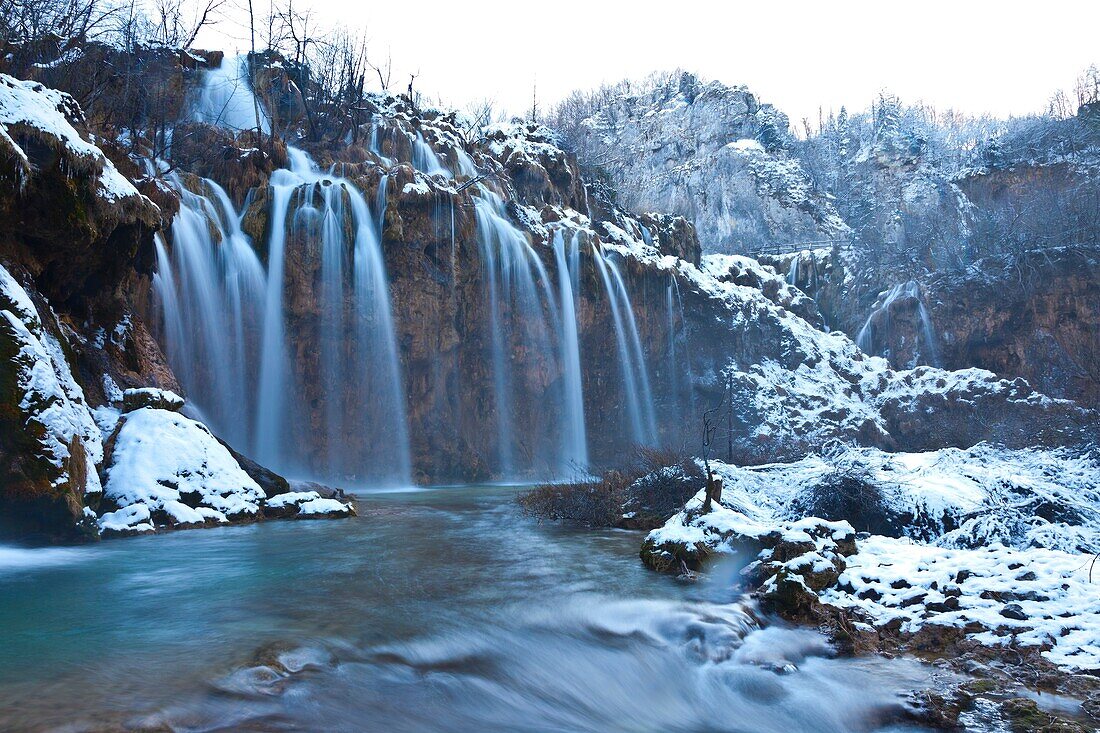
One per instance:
(975, 56)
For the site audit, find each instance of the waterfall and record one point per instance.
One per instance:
(381, 202)
(575, 442)
(376, 142)
(210, 291)
(454, 252)
(425, 160)
(792, 273)
(225, 98)
(520, 301)
(465, 164)
(639, 399)
(226, 329)
(880, 319)
(672, 294)
(685, 353)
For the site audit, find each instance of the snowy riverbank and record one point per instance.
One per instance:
(992, 542)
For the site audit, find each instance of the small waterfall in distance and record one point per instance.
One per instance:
(880, 318)
(225, 100)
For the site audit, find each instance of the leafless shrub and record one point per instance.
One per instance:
(654, 482)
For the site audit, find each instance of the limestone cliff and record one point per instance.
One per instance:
(711, 153)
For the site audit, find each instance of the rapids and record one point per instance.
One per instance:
(435, 610)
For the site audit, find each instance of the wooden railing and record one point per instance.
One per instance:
(785, 248)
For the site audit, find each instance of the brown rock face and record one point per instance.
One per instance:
(1035, 316)
(240, 163)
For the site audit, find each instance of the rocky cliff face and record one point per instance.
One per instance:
(1029, 315)
(72, 228)
(1034, 316)
(712, 154)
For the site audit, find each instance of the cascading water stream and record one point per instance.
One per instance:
(880, 319)
(376, 143)
(212, 280)
(792, 274)
(381, 201)
(683, 359)
(225, 99)
(676, 331)
(522, 317)
(425, 160)
(575, 441)
(226, 329)
(639, 399)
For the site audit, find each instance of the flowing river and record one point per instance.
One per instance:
(435, 610)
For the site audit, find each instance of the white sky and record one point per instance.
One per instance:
(971, 55)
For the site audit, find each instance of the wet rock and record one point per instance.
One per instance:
(1025, 716)
(787, 593)
(948, 604)
(913, 600)
(271, 482)
(1014, 611)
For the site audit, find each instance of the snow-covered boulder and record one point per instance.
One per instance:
(177, 471)
(49, 442)
(161, 399)
(165, 470)
(306, 505)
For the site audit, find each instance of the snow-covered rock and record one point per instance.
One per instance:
(32, 113)
(165, 470)
(998, 541)
(68, 216)
(161, 399)
(49, 441)
(1005, 596)
(177, 470)
(306, 504)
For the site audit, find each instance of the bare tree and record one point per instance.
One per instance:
(711, 419)
(1088, 86)
(384, 71)
(178, 22)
